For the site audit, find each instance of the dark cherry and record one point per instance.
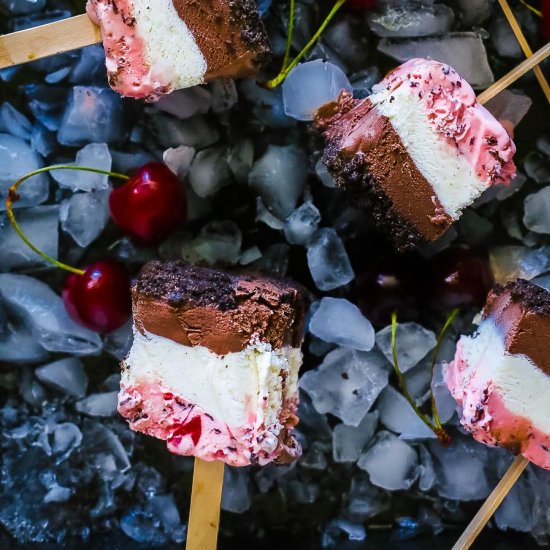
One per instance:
(461, 276)
(359, 6)
(100, 298)
(150, 205)
(392, 283)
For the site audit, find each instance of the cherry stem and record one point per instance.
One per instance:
(13, 197)
(450, 320)
(438, 430)
(273, 83)
(290, 35)
(533, 9)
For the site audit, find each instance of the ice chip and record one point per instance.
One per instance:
(236, 495)
(17, 159)
(43, 312)
(179, 159)
(186, 103)
(15, 122)
(348, 442)
(346, 384)
(94, 155)
(390, 462)
(302, 224)
(537, 206)
(85, 215)
(310, 85)
(413, 343)
(209, 171)
(340, 322)
(512, 262)
(66, 375)
(66, 438)
(328, 260)
(41, 226)
(99, 404)
(279, 177)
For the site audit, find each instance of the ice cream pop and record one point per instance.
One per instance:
(213, 369)
(417, 151)
(155, 48)
(501, 375)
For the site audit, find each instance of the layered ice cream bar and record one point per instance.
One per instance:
(417, 151)
(213, 369)
(153, 48)
(501, 375)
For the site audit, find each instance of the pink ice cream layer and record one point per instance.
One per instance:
(454, 112)
(188, 430)
(129, 72)
(486, 417)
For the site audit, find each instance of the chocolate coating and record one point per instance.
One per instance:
(197, 306)
(229, 33)
(521, 311)
(366, 156)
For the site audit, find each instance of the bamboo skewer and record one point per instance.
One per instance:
(491, 504)
(46, 40)
(204, 517)
(524, 45)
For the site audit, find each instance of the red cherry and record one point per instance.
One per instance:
(461, 276)
(360, 5)
(150, 205)
(100, 298)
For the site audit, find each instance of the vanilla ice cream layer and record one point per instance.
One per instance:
(449, 173)
(483, 368)
(242, 389)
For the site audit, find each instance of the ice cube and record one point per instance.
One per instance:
(512, 262)
(18, 159)
(509, 108)
(85, 215)
(390, 462)
(461, 469)
(328, 260)
(143, 527)
(537, 167)
(542, 281)
(66, 375)
(241, 159)
(43, 312)
(427, 470)
(42, 140)
(310, 85)
(92, 115)
(265, 216)
(67, 437)
(504, 39)
(418, 381)
(209, 171)
(402, 21)
(94, 155)
(19, 346)
(535, 216)
(323, 174)
(186, 103)
(301, 225)
(57, 493)
(413, 343)
(446, 405)
(348, 40)
(346, 384)
(165, 508)
(363, 81)
(474, 11)
(464, 51)
(398, 415)
(236, 495)
(118, 342)
(268, 105)
(179, 159)
(224, 95)
(171, 132)
(90, 66)
(41, 226)
(279, 177)
(365, 500)
(315, 457)
(340, 322)
(20, 7)
(348, 442)
(15, 122)
(516, 510)
(99, 404)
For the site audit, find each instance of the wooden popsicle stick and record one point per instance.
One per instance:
(491, 504)
(524, 45)
(206, 497)
(514, 74)
(38, 42)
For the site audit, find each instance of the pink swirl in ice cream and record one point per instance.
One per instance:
(455, 113)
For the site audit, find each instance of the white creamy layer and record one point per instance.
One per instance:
(170, 48)
(233, 388)
(523, 387)
(444, 167)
